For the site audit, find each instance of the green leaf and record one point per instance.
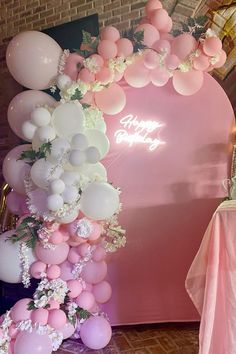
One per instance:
(139, 36)
(87, 38)
(84, 53)
(191, 21)
(94, 44)
(185, 27)
(77, 95)
(201, 20)
(83, 314)
(31, 306)
(86, 105)
(176, 32)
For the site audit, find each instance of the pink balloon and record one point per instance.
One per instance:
(137, 75)
(151, 60)
(162, 46)
(22, 105)
(75, 288)
(110, 33)
(72, 65)
(57, 318)
(172, 61)
(102, 292)
(66, 271)
(83, 249)
(124, 47)
(105, 76)
(107, 49)
(85, 300)
(98, 60)
(86, 75)
(40, 316)
(188, 83)
(95, 332)
(94, 272)
(68, 330)
(73, 255)
(201, 63)
(111, 100)
(151, 34)
(56, 237)
(183, 45)
(13, 201)
(222, 59)
(99, 254)
(33, 58)
(159, 19)
(88, 98)
(52, 256)
(96, 232)
(53, 271)
(152, 5)
(32, 342)
(212, 46)
(53, 305)
(19, 311)
(37, 268)
(159, 77)
(15, 170)
(168, 27)
(13, 331)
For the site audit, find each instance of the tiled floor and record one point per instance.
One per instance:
(175, 338)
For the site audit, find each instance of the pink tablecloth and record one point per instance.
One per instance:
(211, 283)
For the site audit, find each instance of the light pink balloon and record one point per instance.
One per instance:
(183, 45)
(73, 255)
(56, 237)
(111, 100)
(151, 60)
(201, 63)
(52, 256)
(107, 49)
(22, 105)
(172, 61)
(94, 272)
(66, 271)
(75, 288)
(162, 46)
(212, 46)
(13, 201)
(110, 33)
(102, 292)
(88, 98)
(152, 5)
(168, 27)
(37, 268)
(40, 316)
(57, 318)
(124, 47)
(85, 300)
(99, 254)
(72, 66)
(137, 75)
(188, 83)
(15, 170)
(222, 59)
(95, 332)
(86, 75)
(19, 311)
(32, 343)
(53, 305)
(53, 271)
(151, 34)
(159, 19)
(98, 60)
(96, 231)
(13, 331)
(105, 76)
(33, 58)
(159, 77)
(68, 330)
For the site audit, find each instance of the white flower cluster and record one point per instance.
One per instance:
(91, 65)
(72, 309)
(118, 64)
(62, 61)
(70, 89)
(24, 260)
(114, 234)
(78, 267)
(47, 290)
(55, 336)
(5, 338)
(93, 118)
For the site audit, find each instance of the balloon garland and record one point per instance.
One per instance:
(67, 209)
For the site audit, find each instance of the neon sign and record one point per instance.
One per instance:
(136, 131)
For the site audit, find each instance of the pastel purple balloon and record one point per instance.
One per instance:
(95, 332)
(29, 343)
(22, 105)
(33, 58)
(15, 170)
(102, 292)
(67, 330)
(66, 271)
(52, 256)
(14, 201)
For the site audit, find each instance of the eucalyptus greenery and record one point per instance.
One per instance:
(32, 155)
(90, 42)
(194, 26)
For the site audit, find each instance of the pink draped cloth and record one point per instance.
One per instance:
(211, 283)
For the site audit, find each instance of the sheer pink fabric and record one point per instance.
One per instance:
(211, 283)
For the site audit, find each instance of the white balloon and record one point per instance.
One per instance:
(57, 186)
(40, 117)
(59, 147)
(63, 81)
(70, 194)
(67, 120)
(98, 139)
(36, 142)
(77, 157)
(28, 130)
(92, 154)
(79, 141)
(54, 202)
(46, 133)
(96, 172)
(70, 177)
(10, 265)
(43, 171)
(99, 201)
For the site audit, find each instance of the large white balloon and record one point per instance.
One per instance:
(67, 120)
(99, 140)
(10, 266)
(99, 201)
(43, 171)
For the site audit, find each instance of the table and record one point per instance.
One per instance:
(211, 283)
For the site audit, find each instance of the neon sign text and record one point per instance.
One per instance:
(136, 131)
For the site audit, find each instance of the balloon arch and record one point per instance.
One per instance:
(67, 209)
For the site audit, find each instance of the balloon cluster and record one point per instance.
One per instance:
(67, 209)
